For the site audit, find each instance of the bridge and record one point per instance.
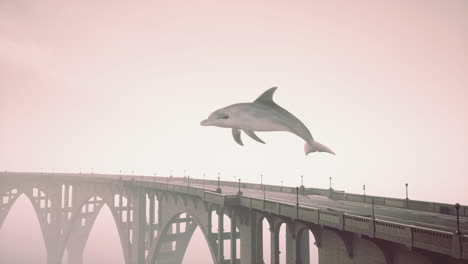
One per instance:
(157, 216)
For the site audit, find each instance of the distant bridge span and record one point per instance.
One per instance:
(157, 216)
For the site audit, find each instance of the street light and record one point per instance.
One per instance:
(457, 207)
(364, 189)
(261, 179)
(239, 192)
(330, 182)
(406, 185)
(297, 202)
(302, 180)
(218, 190)
(188, 182)
(203, 182)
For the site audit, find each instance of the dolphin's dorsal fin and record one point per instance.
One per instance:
(267, 96)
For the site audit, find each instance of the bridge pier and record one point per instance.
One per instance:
(233, 240)
(259, 242)
(220, 236)
(75, 253)
(274, 245)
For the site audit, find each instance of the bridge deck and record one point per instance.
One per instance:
(435, 221)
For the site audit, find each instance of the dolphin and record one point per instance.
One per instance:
(263, 114)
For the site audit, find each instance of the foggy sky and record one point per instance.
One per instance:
(119, 85)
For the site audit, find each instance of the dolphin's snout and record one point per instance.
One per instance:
(204, 122)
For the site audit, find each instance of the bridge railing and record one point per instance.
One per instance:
(438, 241)
(416, 205)
(424, 206)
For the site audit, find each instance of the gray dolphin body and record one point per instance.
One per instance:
(262, 115)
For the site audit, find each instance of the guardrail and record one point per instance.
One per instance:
(438, 241)
(423, 206)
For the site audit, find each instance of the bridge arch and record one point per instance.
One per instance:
(84, 215)
(18, 238)
(192, 221)
(35, 195)
(263, 245)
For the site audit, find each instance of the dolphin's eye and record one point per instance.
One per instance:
(224, 116)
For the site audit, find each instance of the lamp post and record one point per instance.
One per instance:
(302, 180)
(218, 190)
(203, 182)
(188, 182)
(406, 185)
(457, 207)
(364, 189)
(297, 196)
(373, 216)
(330, 182)
(239, 192)
(281, 185)
(261, 179)
(297, 202)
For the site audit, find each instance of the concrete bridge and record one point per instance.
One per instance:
(156, 217)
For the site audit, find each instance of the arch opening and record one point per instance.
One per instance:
(103, 244)
(266, 240)
(177, 243)
(18, 236)
(197, 249)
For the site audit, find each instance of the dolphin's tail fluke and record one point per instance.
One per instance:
(314, 146)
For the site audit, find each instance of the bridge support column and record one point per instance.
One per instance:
(139, 213)
(297, 246)
(220, 236)
(274, 246)
(247, 230)
(291, 247)
(233, 240)
(259, 247)
(75, 253)
(304, 247)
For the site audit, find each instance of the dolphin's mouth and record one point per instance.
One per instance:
(205, 122)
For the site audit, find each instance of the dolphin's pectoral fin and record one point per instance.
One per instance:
(236, 134)
(252, 134)
(267, 96)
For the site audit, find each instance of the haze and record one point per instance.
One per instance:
(109, 86)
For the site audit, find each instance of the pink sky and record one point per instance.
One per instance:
(123, 86)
